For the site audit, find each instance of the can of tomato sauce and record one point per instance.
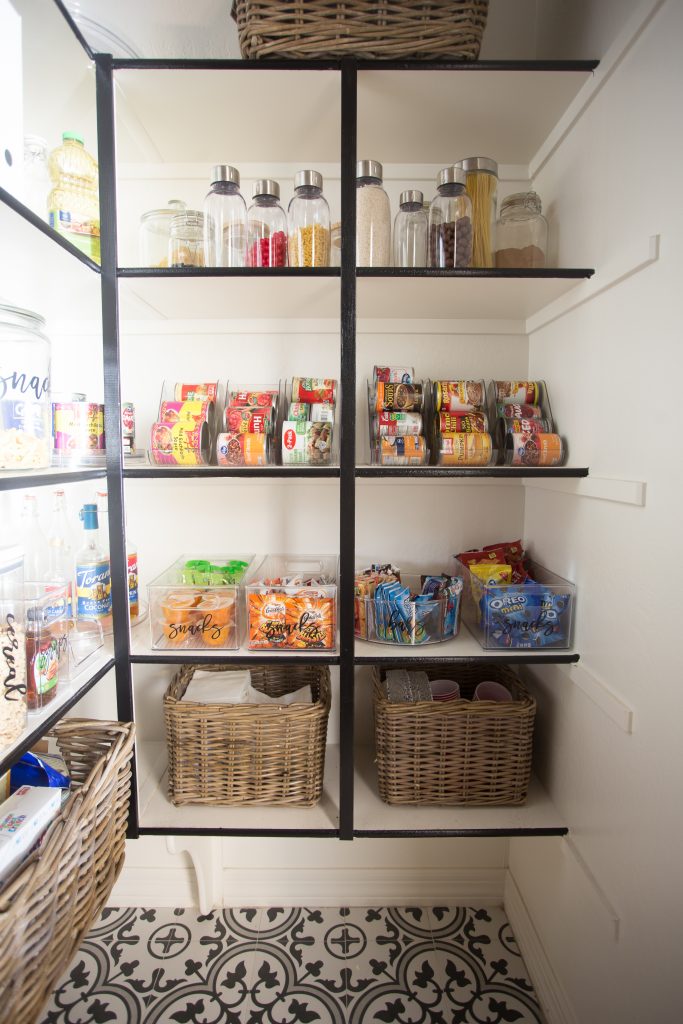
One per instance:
(465, 449)
(522, 392)
(399, 424)
(197, 410)
(247, 420)
(534, 450)
(459, 395)
(463, 422)
(314, 389)
(253, 399)
(398, 397)
(515, 411)
(190, 392)
(183, 443)
(238, 449)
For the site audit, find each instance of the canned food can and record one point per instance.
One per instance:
(182, 443)
(465, 449)
(314, 389)
(78, 427)
(197, 410)
(522, 392)
(398, 397)
(306, 443)
(247, 420)
(463, 422)
(459, 395)
(534, 450)
(528, 426)
(515, 411)
(398, 424)
(402, 451)
(322, 412)
(393, 374)
(299, 411)
(237, 449)
(128, 426)
(253, 399)
(190, 392)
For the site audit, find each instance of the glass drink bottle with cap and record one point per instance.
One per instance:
(410, 231)
(373, 216)
(225, 220)
(308, 221)
(93, 574)
(267, 227)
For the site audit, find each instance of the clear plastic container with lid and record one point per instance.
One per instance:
(155, 233)
(521, 232)
(73, 204)
(225, 220)
(186, 245)
(267, 226)
(410, 231)
(25, 408)
(373, 216)
(12, 646)
(308, 221)
(482, 187)
(450, 222)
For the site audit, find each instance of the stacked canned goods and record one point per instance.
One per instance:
(524, 424)
(247, 427)
(182, 434)
(461, 424)
(396, 413)
(308, 431)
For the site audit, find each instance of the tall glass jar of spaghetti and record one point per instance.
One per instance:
(482, 187)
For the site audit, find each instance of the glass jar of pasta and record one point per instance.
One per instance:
(521, 232)
(482, 187)
(25, 408)
(308, 220)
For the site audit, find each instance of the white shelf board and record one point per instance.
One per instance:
(156, 810)
(140, 648)
(371, 814)
(464, 645)
(506, 115)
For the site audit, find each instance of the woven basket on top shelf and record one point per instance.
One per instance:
(50, 904)
(248, 753)
(457, 751)
(391, 29)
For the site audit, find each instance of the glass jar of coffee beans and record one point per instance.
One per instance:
(450, 222)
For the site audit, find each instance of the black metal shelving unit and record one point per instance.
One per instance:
(347, 472)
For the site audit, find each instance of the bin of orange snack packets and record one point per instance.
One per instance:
(197, 603)
(292, 603)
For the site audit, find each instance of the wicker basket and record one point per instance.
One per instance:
(248, 753)
(459, 751)
(391, 29)
(51, 903)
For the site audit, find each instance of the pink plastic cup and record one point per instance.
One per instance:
(444, 689)
(489, 690)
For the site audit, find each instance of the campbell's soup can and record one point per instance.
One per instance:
(393, 374)
(238, 449)
(253, 399)
(528, 427)
(128, 426)
(515, 411)
(247, 420)
(190, 392)
(402, 451)
(465, 449)
(521, 392)
(198, 410)
(398, 397)
(463, 422)
(398, 424)
(182, 443)
(314, 389)
(534, 450)
(459, 395)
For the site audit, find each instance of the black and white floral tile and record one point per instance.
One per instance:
(350, 965)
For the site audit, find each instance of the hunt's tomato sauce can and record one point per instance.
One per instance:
(248, 420)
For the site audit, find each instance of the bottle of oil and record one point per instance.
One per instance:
(73, 204)
(93, 573)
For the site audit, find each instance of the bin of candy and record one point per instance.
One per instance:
(406, 609)
(515, 604)
(292, 603)
(196, 604)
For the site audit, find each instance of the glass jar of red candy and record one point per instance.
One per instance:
(267, 226)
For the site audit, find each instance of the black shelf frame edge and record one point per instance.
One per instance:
(459, 833)
(42, 225)
(200, 658)
(488, 472)
(173, 473)
(487, 273)
(16, 483)
(338, 64)
(520, 657)
(243, 272)
(273, 833)
(9, 759)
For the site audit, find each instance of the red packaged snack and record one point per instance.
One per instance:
(514, 552)
(492, 554)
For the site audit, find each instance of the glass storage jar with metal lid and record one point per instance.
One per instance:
(186, 243)
(482, 188)
(24, 390)
(225, 220)
(12, 646)
(410, 231)
(267, 227)
(521, 232)
(308, 222)
(373, 216)
(155, 233)
(450, 221)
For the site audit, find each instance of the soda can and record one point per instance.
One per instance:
(459, 395)
(299, 411)
(463, 422)
(398, 424)
(398, 397)
(515, 411)
(306, 443)
(322, 412)
(534, 450)
(190, 392)
(183, 443)
(253, 399)
(128, 426)
(402, 451)
(237, 449)
(517, 392)
(247, 420)
(197, 410)
(528, 426)
(393, 374)
(465, 449)
(314, 389)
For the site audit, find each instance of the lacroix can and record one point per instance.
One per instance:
(398, 397)
(398, 424)
(237, 449)
(198, 410)
(528, 426)
(463, 422)
(522, 392)
(534, 450)
(515, 411)
(314, 389)
(465, 449)
(459, 395)
(190, 392)
(402, 451)
(253, 399)
(247, 420)
(183, 443)
(393, 374)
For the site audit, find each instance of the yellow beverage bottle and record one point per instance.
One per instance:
(73, 205)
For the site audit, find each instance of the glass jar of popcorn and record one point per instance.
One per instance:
(24, 390)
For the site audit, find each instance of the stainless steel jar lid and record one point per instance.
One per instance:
(478, 163)
(453, 175)
(411, 195)
(266, 187)
(304, 179)
(369, 169)
(18, 317)
(224, 172)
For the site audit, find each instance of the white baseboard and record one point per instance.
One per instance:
(552, 996)
(154, 887)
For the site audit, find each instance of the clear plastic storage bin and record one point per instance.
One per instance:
(292, 603)
(424, 620)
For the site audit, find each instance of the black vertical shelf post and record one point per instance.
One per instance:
(347, 461)
(106, 148)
